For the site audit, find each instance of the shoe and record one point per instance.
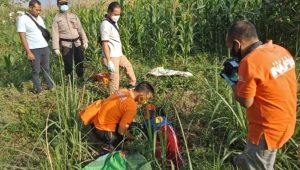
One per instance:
(41, 92)
(80, 79)
(37, 91)
(52, 89)
(131, 87)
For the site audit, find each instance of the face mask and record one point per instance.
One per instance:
(237, 54)
(115, 18)
(64, 8)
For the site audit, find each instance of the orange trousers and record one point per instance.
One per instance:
(115, 76)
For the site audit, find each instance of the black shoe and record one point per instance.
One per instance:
(80, 81)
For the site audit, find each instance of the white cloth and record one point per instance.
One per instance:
(33, 34)
(160, 71)
(109, 33)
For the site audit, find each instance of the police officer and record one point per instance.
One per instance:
(68, 39)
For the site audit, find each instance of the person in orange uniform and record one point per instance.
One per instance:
(118, 111)
(267, 88)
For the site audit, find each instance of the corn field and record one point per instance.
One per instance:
(184, 35)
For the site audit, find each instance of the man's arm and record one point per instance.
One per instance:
(55, 35)
(126, 121)
(105, 36)
(125, 132)
(129, 108)
(24, 42)
(122, 131)
(106, 50)
(243, 102)
(81, 32)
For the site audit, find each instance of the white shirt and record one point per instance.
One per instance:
(33, 34)
(109, 33)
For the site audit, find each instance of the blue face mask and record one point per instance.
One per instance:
(64, 8)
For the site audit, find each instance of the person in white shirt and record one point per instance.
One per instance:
(35, 45)
(112, 48)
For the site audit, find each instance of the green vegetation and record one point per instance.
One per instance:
(44, 132)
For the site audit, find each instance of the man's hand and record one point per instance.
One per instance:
(232, 79)
(243, 101)
(111, 66)
(30, 56)
(57, 52)
(85, 46)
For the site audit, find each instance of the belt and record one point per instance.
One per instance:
(69, 40)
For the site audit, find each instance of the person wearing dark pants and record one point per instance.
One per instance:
(42, 59)
(69, 39)
(267, 88)
(68, 58)
(111, 117)
(112, 139)
(35, 45)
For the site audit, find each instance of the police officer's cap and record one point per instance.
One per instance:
(62, 1)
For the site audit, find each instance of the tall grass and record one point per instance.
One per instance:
(64, 144)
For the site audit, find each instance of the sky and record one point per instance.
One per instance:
(44, 2)
(47, 2)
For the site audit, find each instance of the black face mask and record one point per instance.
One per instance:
(237, 55)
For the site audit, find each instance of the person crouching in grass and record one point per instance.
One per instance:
(117, 112)
(156, 121)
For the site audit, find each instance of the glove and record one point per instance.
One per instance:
(85, 46)
(57, 52)
(111, 66)
(232, 79)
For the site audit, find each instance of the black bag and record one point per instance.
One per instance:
(45, 32)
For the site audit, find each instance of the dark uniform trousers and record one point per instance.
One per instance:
(73, 54)
(111, 138)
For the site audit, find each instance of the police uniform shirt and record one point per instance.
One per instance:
(67, 26)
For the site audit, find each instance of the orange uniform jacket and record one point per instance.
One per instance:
(118, 109)
(267, 74)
